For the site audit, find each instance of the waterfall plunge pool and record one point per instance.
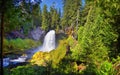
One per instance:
(48, 45)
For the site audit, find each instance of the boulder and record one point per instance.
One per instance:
(15, 34)
(6, 62)
(37, 34)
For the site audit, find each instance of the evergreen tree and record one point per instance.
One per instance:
(95, 36)
(37, 15)
(111, 12)
(55, 18)
(58, 27)
(45, 20)
(71, 13)
(22, 15)
(12, 21)
(52, 14)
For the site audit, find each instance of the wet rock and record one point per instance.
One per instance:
(6, 62)
(14, 65)
(14, 34)
(37, 34)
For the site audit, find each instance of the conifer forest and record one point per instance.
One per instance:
(80, 38)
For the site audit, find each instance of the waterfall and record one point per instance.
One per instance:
(49, 41)
(48, 45)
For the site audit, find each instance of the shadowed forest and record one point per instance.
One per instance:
(87, 37)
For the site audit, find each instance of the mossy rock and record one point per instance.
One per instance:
(40, 58)
(54, 56)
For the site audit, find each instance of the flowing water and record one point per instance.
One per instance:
(49, 41)
(48, 45)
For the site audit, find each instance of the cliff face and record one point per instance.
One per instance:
(37, 34)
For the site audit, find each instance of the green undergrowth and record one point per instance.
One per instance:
(54, 56)
(18, 44)
(26, 70)
(58, 62)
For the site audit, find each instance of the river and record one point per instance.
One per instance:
(48, 45)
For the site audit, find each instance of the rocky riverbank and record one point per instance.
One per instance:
(20, 59)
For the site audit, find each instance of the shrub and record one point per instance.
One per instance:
(76, 53)
(91, 69)
(106, 68)
(59, 52)
(18, 44)
(41, 58)
(116, 63)
(6, 71)
(29, 70)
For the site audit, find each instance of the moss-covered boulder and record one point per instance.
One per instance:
(40, 58)
(54, 56)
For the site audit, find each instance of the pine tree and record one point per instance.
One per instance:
(55, 18)
(37, 15)
(95, 36)
(22, 15)
(71, 13)
(45, 18)
(58, 27)
(111, 11)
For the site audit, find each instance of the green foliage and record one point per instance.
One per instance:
(18, 44)
(62, 69)
(59, 52)
(91, 69)
(42, 58)
(20, 17)
(116, 60)
(45, 18)
(67, 68)
(10, 22)
(50, 19)
(27, 27)
(113, 6)
(116, 64)
(113, 16)
(71, 40)
(28, 70)
(6, 71)
(95, 37)
(71, 13)
(36, 16)
(55, 19)
(74, 48)
(106, 68)
(98, 38)
(76, 51)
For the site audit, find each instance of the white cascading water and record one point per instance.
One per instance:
(49, 42)
(48, 45)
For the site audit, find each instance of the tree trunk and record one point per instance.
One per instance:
(2, 22)
(2, 27)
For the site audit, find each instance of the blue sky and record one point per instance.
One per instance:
(58, 4)
(83, 3)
